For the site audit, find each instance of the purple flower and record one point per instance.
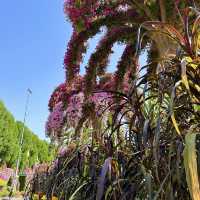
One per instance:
(6, 173)
(55, 121)
(101, 100)
(74, 109)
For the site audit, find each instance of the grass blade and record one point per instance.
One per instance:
(190, 163)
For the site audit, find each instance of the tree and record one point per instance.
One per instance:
(34, 150)
(8, 137)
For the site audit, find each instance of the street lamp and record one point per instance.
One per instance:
(14, 183)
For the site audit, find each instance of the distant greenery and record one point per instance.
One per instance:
(34, 150)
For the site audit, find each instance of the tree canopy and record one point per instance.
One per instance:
(34, 150)
(8, 137)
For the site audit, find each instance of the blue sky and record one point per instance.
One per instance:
(33, 39)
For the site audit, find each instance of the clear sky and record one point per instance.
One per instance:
(33, 39)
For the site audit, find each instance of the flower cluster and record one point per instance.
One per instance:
(101, 101)
(68, 101)
(57, 96)
(75, 49)
(63, 92)
(55, 121)
(6, 173)
(83, 12)
(74, 109)
(127, 60)
(108, 83)
(65, 107)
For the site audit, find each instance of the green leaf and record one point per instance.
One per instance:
(190, 163)
(77, 190)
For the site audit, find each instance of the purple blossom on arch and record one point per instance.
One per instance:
(74, 109)
(55, 121)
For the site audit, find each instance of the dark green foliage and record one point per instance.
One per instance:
(22, 182)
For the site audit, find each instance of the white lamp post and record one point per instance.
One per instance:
(21, 139)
